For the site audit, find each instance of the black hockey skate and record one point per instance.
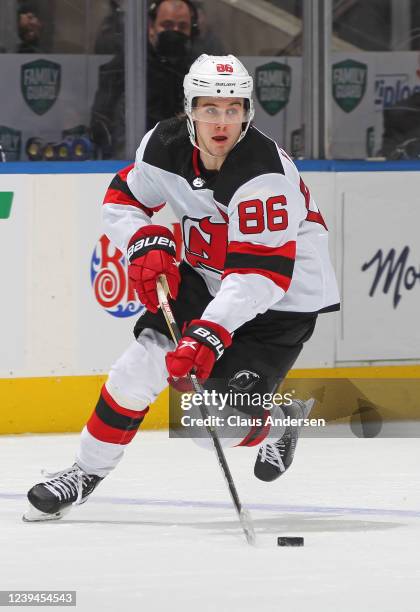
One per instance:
(274, 458)
(52, 499)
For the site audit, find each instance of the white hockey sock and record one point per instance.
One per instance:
(97, 457)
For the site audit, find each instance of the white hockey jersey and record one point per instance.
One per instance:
(251, 230)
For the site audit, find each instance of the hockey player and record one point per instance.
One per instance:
(255, 275)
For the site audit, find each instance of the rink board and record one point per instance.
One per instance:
(68, 310)
(63, 404)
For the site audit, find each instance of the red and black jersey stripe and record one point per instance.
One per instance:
(276, 263)
(119, 192)
(112, 423)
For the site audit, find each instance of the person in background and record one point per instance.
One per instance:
(29, 27)
(172, 28)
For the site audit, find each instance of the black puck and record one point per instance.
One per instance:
(290, 541)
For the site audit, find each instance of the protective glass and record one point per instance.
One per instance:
(215, 114)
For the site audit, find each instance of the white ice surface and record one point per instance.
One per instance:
(159, 534)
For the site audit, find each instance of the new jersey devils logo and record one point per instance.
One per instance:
(205, 243)
(244, 380)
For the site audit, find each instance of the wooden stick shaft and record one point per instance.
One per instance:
(244, 518)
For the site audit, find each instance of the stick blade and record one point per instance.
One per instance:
(248, 527)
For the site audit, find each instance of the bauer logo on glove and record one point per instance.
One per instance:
(144, 245)
(211, 339)
(151, 253)
(201, 345)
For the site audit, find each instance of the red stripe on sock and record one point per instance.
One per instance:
(135, 414)
(99, 430)
(249, 439)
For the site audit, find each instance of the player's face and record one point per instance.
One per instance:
(218, 123)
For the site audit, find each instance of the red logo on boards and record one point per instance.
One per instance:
(110, 283)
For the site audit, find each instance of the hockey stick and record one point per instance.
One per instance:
(244, 517)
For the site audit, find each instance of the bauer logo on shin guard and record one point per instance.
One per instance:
(144, 245)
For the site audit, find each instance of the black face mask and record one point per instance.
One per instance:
(172, 44)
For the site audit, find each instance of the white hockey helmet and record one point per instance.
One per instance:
(221, 76)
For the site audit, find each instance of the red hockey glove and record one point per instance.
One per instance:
(202, 343)
(151, 252)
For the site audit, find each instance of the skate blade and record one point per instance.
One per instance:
(32, 515)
